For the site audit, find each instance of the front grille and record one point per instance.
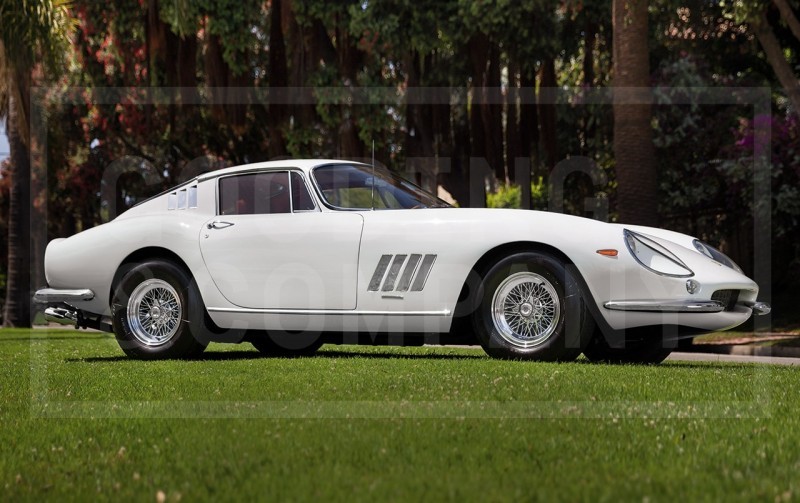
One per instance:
(727, 297)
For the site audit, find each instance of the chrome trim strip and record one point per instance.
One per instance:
(397, 263)
(313, 312)
(667, 306)
(291, 197)
(46, 295)
(377, 276)
(423, 273)
(408, 272)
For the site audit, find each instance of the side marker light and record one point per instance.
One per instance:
(608, 253)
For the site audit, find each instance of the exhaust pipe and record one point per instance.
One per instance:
(61, 315)
(66, 315)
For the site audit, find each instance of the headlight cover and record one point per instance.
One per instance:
(715, 255)
(655, 257)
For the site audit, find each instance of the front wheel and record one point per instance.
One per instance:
(152, 308)
(530, 307)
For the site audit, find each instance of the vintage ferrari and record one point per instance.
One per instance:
(289, 255)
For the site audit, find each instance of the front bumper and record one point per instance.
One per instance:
(681, 306)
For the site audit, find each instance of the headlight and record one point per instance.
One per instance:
(655, 257)
(716, 255)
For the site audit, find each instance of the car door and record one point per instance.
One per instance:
(270, 247)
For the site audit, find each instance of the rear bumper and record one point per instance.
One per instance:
(57, 296)
(58, 308)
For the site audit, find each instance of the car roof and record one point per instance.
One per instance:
(302, 164)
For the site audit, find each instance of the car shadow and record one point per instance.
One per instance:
(683, 364)
(255, 355)
(336, 353)
(345, 354)
(48, 338)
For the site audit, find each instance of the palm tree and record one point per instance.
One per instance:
(633, 134)
(32, 31)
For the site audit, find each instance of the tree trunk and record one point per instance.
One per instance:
(479, 53)
(528, 118)
(777, 61)
(155, 40)
(512, 125)
(349, 59)
(304, 53)
(228, 102)
(456, 179)
(788, 16)
(17, 311)
(637, 186)
(590, 33)
(455, 146)
(547, 112)
(419, 126)
(278, 79)
(493, 115)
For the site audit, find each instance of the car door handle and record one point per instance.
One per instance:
(219, 224)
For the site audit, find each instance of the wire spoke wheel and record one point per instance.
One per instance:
(154, 312)
(525, 309)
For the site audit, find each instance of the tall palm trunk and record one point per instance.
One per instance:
(633, 134)
(17, 311)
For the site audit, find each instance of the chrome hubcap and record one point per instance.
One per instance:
(154, 312)
(525, 309)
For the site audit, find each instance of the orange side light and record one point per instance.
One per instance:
(608, 253)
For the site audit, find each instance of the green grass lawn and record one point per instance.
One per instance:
(78, 420)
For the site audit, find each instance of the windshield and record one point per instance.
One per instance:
(349, 186)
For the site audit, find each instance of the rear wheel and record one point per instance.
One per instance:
(530, 307)
(152, 312)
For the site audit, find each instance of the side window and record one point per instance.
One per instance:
(256, 193)
(301, 199)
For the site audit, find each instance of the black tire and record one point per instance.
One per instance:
(285, 344)
(544, 316)
(171, 310)
(636, 351)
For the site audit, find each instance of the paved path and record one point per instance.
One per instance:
(709, 357)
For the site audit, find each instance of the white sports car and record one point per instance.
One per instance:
(289, 255)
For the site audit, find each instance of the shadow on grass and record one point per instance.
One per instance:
(211, 356)
(60, 338)
(344, 354)
(336, 353)
(255, 355)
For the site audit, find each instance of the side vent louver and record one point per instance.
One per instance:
(182, 199)
(412, 270)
